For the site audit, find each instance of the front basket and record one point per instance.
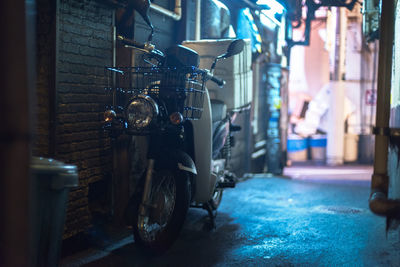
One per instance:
(184, 84)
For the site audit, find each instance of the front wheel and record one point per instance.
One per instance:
(166, 210)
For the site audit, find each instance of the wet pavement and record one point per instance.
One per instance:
(272, 221)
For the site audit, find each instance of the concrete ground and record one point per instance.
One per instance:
(318, 217)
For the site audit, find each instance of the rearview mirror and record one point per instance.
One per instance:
(234, 48)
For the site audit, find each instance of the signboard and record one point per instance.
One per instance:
(370, 97)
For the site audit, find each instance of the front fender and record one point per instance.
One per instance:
(176, 159)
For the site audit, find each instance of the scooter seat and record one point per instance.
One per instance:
(218, 110)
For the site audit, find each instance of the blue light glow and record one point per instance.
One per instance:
(273, 14)
(275, 6)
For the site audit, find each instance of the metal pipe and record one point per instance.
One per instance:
(379, 202)
(198, 21)
(335, 131)
(53, 102)
(176, 14)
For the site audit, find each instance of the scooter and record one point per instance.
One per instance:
(188, 138)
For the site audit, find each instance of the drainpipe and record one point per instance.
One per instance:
(176, 14)
(53, 103)
(198, 21)
(379, 202)
(335, 131)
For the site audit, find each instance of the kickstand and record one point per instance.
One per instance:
(211, 215)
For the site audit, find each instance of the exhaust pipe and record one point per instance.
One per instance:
(379, 202)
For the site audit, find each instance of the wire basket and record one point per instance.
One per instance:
(181, 88)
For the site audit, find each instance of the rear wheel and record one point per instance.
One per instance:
(165, 213)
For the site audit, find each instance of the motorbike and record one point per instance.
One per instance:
(188, 138)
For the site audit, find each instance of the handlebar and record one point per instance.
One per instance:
(148, 48)
(130, 42)
(220, 82)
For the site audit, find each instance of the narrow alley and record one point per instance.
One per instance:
(200, 133)
(271, 221)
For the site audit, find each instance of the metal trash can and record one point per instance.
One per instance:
(51, 181)
(318, 147)
(297, 148)
(350, 147)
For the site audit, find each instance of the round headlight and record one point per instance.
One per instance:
(141, 111)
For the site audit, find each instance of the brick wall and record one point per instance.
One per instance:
(74, 45)
(84, 48)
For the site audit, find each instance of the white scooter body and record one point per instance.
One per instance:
(209, 171)
(202, 136)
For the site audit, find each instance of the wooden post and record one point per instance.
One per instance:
(14, 133)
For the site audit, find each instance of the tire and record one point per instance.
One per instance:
(169, 203)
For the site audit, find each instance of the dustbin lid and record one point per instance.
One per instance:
(63, 175)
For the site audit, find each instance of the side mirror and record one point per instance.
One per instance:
(234, 48)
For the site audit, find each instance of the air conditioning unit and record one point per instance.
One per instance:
(236, 71)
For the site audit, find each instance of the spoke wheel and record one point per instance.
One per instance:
(165, 212)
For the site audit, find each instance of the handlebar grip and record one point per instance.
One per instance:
(218, 81)
(130, 42)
